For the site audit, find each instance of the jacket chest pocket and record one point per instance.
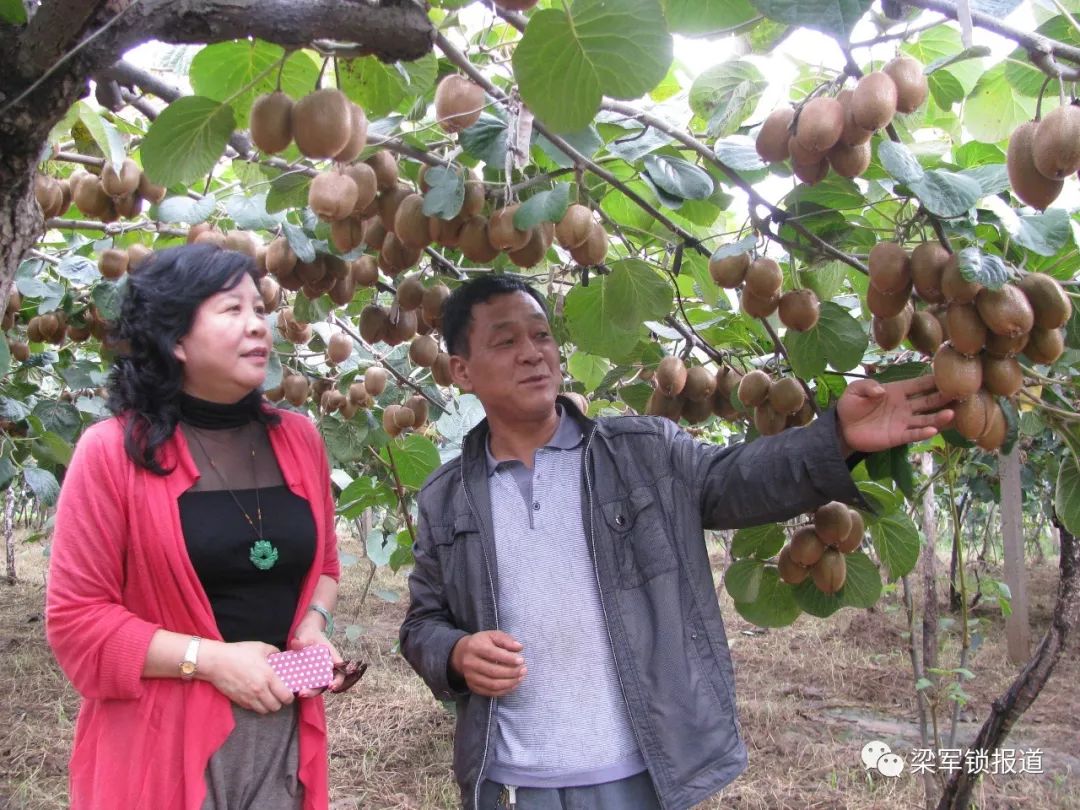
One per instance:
(640, 535)
(461, 563)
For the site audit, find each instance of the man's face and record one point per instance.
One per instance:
(513, 362)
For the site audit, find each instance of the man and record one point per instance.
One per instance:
(562, 593)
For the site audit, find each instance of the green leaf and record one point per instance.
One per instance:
(726, 94)
(381, 88)
(5, 358)
(679, 177)
(344, 439)
(992, 178)
(415, 457)
(52, 449)
(43, 484)
(985, 268)
(105, 135)
(547, 206)
(834, 17)
(1044, 234)
(61, 418)
(590, 318)
(288, 191)
(637, 293)
(307, 311)
(862, 589)
(445, 194)
(947, 194)
(1067, 494)
(486, 140)
(897, 543)
(775, 604)
(743, 579)
(994, 109)
(837, 341)
(1023, 76)
(884, 500)
(249, 211)
(244, 69)
(586, 141)
(186, 140)
(107, 297)
(7, 471)
(825, 279)
(945, 89)
(78, 269)
(763, 542)
(12, 12)
(568, 60)
(299, 241)
(636, 395)
(185, 209)
(696, 17)
(738, 152)
(363, 493)
(588, 369)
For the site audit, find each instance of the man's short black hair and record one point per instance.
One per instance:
(457, 311)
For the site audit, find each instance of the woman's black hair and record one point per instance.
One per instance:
(457, 311)
(158, 308)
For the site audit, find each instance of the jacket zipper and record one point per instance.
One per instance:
(600, 593)
(495, 605)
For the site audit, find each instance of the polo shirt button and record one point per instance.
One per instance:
(536, 505)
(620, 520)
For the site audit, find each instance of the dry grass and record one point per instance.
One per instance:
(810, 696)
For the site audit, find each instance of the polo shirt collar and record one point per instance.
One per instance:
(567, 436)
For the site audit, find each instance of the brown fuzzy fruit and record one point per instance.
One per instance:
(347, 234)
(440, 370)
(786, 396)
(887, 305)
(396, 256)
(801, 156)
(852, 134)
(410, 292)
(411, 224)
(533, 251)
(1001, 346)
(668, 407)
(243, 242)
(820, 123)
(358, 395)
(928, 262)
(700, 384)
(296, 389)
(575, 227)
(271, 122)
(340, 348)
(854, 536)
(20, 351)
(458, 103)
(90, 198)
(1045, 345)
(357, 136)
(113, 263)
(696, 413)
(1027, 182)
(955, 374)
(873, 102)
(729, 271)
(1056, 145)
(137, 254)
(374, 233)
(890, 268)
(832, 522)
(366, 185)
(375, 381)
(830, 572)
(1001, 376)
(790, 571)
(772, 138)
(799, 309)
(763, 277)
(384, 163)
(332, 196)
(322, 123)
(967, 332)
(431, 304)
(364, 271)
(1005, 311)
(118, 183)
(1050, 305)
(767, 421)
(757, 307)
(811, 173)
(955, 288)
(670, 376)
(754, 388)
(806, 546)
(280, 258)
(912, 87)
(972, 415)
(594, 250)
(390, 419)
(890, 332)
(501, 230)
(849, 161)
(374, 323)
(997, 428)
(270, 291)
(446, 232)
(424, 350)
(474, 241)
(402, 327)
(727, 382)
(48, 195)
(925, 333)
(419, 406)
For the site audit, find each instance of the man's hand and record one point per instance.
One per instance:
(876, 416)
(490, 662)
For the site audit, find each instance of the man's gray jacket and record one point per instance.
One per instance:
(648, 490)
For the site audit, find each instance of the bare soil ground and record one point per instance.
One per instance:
(810, 696)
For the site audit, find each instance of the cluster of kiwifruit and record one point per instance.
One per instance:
(760, 280)
(108, 197)
(1043, 153)
(817, 550)
(325, 125)
(835, 132)
(776, 404)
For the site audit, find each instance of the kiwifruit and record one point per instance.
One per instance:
(727, 381)
(967, 331)
(854, 537)
(1050, 305)
(912, 87)
(458, 103)
(127, 206)
(270, 291)
(113, 263)
(374, 323)
(575, 226)
(533, 251)
(698, 412)
(1056, 145)
(852, 134)
(118, 183)
(243, 242)
(1027, 181)
(849, 161)
(830, 572)
(873, 102)
(322, 123)
(767, 421)
(197, 230)
(90, 198)
(671, 376)
(772, 139)
(956, 374)
(358, 125)
(212, 236)
(374, 233)
(343, 290)
(358, 395)
(411, 224)
(887, 305)
(312, 272)
(925, 332)
(340, 348)
(364, 271)
(410, 292)
(375, 381)
(661, 405)
(473, 203)
(593, 250)
(423, 350)
(295, 387)
(419, 406)
(729, 271)
(53, 326)
(954, 287)
(820, 123)
(366, 185)
(440, 369)
(501, 230)
(319, 387)
(757, 307)
(65, 192)
(890, 332)
(347, 234)
(384, 163)
(754, 388)
(280, 258)
(1005, 311)
(927, 264)
(446, 232)
(271, 122)
(474, 242)
(790, 571)
(763, 277)
(997, 428)
(700, 384)
(402, 327)
(832, 522)
(33, 330)
(396, 256)
(800, 155)
(801, 417)
(1045, 345)
(799, 309)
(332, 195)
(48, 195)
(811, 173)
(1005, 346)
(890, 268)
(14, 302)
(390, 418)
(786, 396)
(1001, 376)
(19, 350)
(388, 202)
(137, 253)
(806, 547)
(431, 304)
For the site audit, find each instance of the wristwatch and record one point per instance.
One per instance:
(189, 666)
(327, 617)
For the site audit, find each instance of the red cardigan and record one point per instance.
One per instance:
(119, 570)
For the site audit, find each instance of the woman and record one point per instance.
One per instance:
(194, 537)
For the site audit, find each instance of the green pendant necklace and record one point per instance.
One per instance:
(263, 554)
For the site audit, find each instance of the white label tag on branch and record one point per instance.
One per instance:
(522, 137)
(963, 16)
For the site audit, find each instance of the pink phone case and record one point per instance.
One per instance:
(309, 668)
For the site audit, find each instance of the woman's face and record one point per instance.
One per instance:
(225, 353)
